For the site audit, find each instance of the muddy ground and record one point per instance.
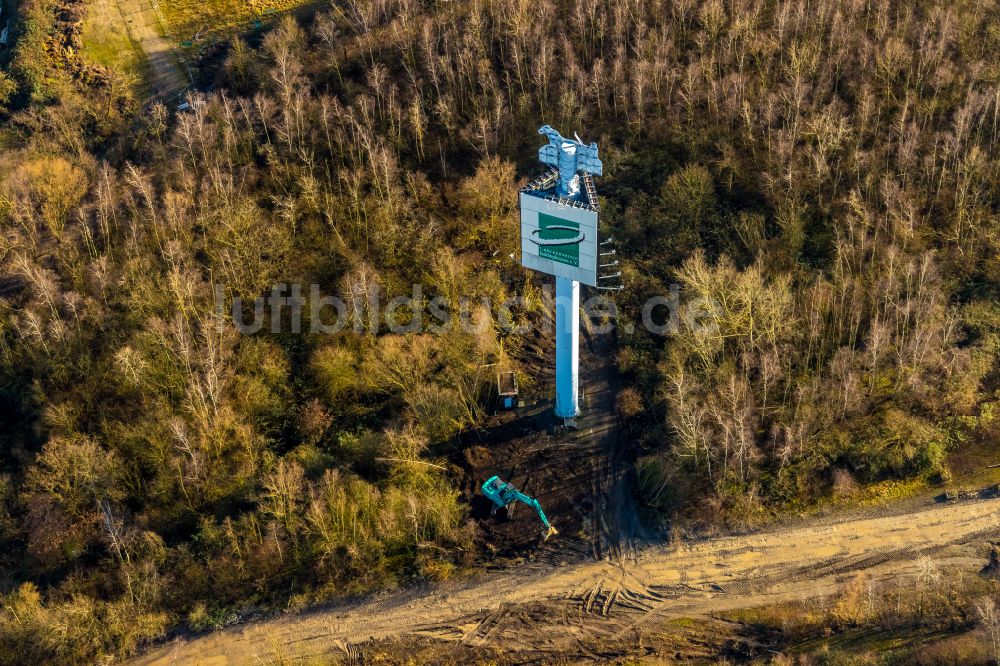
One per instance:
(662, 602)
(581, 476)
(603, 589)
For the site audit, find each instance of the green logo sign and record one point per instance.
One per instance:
(558, 240)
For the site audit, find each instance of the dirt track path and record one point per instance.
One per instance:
(168, 76)
(615, 531)
(548, 611)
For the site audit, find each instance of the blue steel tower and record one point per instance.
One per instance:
(559, 237)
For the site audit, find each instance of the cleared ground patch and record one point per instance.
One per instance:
(130, 37)
(152, 40)
(196, 24)
(544, 612)
(107, 42)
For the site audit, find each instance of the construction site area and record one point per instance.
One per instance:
(604, 589)
(566, 571)
(726, 390)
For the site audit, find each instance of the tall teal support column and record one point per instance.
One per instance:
(567, 347)
(559, 237)
(567, 300)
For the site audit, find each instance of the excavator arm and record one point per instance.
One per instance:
(502, 494)
(533, 503)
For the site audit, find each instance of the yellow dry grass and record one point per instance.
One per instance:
(107, 43)
(195, 22)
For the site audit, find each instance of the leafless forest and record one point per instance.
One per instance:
(825, 171)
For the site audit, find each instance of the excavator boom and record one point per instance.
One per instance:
(502, 494)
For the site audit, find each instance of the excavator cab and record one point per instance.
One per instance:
(502, 494)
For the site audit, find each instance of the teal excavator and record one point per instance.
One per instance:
(502, 494)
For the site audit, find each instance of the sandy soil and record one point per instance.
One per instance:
(601, 580)
(546, 609)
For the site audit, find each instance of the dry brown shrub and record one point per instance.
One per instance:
(628, 403)
(855, 605)
(844, 484)
(966, 649)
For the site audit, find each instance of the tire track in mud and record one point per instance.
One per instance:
(548, 608)
(615, 529)
(607, 581)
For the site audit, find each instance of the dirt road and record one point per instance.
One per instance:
(596, 583)
(546, 611)
(143, 21)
